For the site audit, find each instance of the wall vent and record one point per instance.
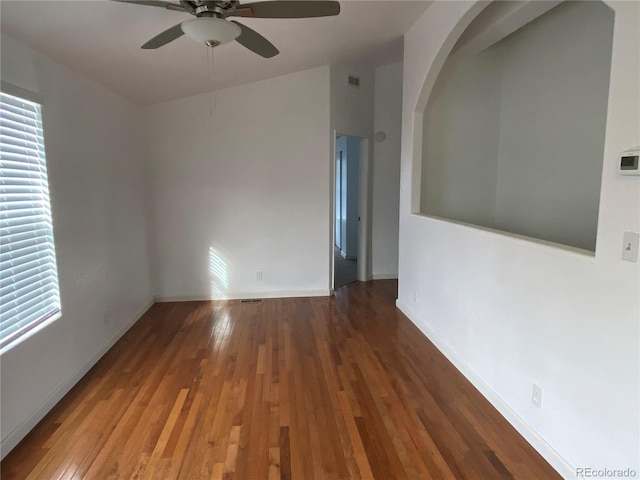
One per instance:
(354, 81)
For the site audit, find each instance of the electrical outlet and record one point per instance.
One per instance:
(536, 395)
(107, 317)
(415, 297)
(259, 275)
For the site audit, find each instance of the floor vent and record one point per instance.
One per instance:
(251, 300)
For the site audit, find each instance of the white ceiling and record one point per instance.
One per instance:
(101, 40)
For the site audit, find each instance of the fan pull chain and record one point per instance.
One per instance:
(211, 78)
(213, 75)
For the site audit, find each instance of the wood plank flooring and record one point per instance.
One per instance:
(303, 388)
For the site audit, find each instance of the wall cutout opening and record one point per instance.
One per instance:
(514, 128)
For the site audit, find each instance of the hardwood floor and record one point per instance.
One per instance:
(303, 388)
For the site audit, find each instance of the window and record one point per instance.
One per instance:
(29, 292)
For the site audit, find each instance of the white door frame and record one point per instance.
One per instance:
(364, 207)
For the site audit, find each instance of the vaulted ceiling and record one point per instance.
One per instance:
(101, 40)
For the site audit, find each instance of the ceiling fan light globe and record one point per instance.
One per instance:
(211, 31)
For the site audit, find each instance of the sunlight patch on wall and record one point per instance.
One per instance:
(219, 274)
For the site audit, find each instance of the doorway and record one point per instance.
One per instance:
(347, 210)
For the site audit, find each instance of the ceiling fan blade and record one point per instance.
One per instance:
(155, 3)
(255, 42)
(288, 9)
(165, 37)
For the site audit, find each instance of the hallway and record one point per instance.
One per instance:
(344, 271)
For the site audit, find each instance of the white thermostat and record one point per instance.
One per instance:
(628, 163)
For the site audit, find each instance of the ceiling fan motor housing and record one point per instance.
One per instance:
(212, 28)
(211, 31)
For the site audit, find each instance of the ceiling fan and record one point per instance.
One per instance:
(212, 27)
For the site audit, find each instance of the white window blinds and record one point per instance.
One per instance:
(28, 277)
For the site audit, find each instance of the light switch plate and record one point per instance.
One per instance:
(630, 242)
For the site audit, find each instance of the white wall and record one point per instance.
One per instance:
(244, 190)
(509, 312)
(352, 108)
(555, 82)
(461, 136)
(96, 180)
(386, 170)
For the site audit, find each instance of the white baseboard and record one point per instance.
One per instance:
(385, 276)
(564, 468)
(243, 295)
(18, 433)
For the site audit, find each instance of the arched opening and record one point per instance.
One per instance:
(512, 135)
